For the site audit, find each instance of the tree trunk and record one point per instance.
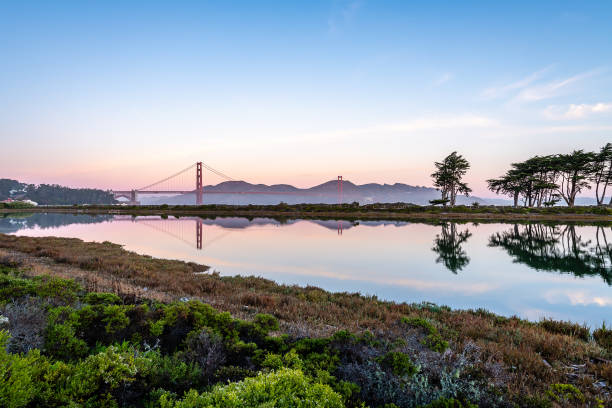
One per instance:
(516, 197)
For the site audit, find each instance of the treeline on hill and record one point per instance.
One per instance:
(546, 180)
(53, 194)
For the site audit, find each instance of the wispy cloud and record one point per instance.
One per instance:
(554, 88)
(505, 90)
(343, 13)
(444, 79)
(414, 125)
(577, 111)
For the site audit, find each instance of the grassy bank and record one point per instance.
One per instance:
(362, 349)
(397, 211)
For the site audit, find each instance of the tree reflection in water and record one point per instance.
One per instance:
(557, 248)
(448, 247)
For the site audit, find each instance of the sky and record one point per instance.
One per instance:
(119, 94)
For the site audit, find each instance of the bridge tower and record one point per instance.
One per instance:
(199, 188)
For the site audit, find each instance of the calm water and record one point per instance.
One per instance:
(533, 271)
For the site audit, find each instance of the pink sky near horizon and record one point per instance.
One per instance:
(115, 178)
(121, 164)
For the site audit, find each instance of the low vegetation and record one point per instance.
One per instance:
(352, 211)
(16, 205)
(99, 350)
(345, 348)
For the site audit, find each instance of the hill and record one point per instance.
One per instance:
(53, 194)
(323, 193)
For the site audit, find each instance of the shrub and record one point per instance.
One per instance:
(376, 386)
(206, 349)
(59, 291)
(17, 380)
(27, 322)
(399, 363)
(171, 372)
(96, 298)
(433, 340)
(103, 378)
(272, 361)
(266, 322)
(283, 388)
(115, 319)
(61, 342)
(14, 288)
(567, 328)
(603, 337)
(564, 393)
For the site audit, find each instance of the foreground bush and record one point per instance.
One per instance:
(285, 388)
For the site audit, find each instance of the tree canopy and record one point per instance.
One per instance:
(545, 180)
(448, 177)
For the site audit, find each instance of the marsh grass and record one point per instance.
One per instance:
(532, 355)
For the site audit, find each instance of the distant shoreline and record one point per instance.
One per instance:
(429, 214)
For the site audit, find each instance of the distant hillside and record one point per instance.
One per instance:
(324, 193)
(53, 194)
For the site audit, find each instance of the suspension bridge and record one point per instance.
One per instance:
(182, 182)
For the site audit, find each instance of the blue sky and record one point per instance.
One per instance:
(117, 94)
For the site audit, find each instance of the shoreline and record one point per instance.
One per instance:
(344, 215)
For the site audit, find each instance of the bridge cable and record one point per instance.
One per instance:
(167, 178)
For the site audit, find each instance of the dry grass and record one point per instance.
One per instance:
(533, 355)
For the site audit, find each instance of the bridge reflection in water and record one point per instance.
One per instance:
(186, 229)
(191, 231)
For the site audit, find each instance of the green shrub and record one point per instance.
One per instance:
(96, 298)
(62, 291)
(564, 393)
(266, 322)
(115, 318)
(433, 340)
(171, 372)
(61, 343)
(279, 389)
(399, 363)
(276, 361)
(272, 361)
(17, 377)
(14, 288)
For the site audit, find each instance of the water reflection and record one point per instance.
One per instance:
(394, 260)
(557, 248)
(14, 222)
(448, 246)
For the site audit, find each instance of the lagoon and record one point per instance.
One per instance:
(560, 271)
